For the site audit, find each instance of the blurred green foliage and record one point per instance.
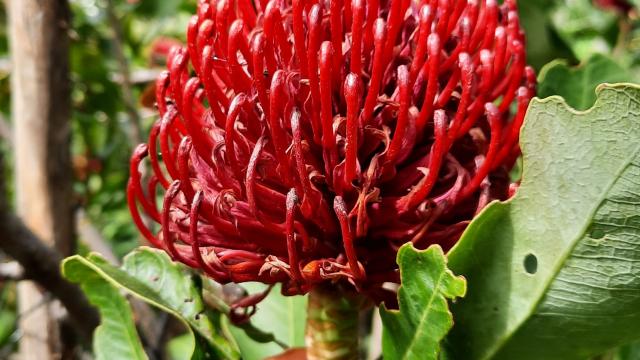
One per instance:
(8, 318)
(576, 85)
(101, 146)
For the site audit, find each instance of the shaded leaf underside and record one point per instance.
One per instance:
(576, 218)
(284, 316)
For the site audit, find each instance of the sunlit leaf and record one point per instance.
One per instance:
(283, 316)
(415, 331)
(577, 84)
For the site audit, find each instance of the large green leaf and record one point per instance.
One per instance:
(416, 330)
(577, 85)
(555, 272)
(116, 337)
(150, 275)
(282, 316)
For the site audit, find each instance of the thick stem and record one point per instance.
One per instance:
(332, 323)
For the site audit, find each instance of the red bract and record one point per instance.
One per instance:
(305, 142)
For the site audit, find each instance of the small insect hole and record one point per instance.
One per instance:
(531, 264)
(597, 234)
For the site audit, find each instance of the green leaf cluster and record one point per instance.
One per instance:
(153, 278)
(577, 84)
(150, 275)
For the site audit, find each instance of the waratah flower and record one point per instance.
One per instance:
(304, 142)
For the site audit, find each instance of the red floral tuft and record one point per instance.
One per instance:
(306, 142)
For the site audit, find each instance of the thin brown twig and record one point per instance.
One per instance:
(149, 324)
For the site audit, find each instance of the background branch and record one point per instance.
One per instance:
(41, 264)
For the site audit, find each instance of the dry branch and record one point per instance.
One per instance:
(41, 264)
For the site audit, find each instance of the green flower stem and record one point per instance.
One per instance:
(332, 323)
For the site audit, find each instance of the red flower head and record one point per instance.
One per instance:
(304, 142)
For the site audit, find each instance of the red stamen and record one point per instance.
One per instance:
(341, 212)
(352, 93)
(356, 36)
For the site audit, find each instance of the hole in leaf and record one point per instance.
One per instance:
(531, 264)
(597, 234)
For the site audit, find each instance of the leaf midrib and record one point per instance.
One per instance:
(131, 334)
(427, 310)
(101, 284)
(500, 344)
